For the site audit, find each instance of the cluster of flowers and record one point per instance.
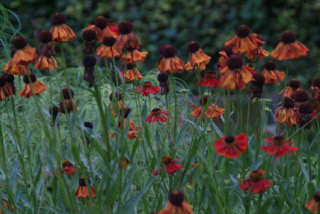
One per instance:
(232, 74)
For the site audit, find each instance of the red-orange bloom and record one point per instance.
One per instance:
(197, 57)
(270, 73)
(294, 85)
(235, 75)
(68, 104)
(101, 29)
(286, 114)
(157, 115)
(230, 146)
(47, 52)
(117, 104)
(24, 54)
(255, 183)
(132, 133)
(131, 74)
(169, 62)
(289, 48)
(212, 111)
(16, 69)
(176, 204)
(82, 191)
(171, 165)
(127, 37)
(6, 89)
(67, 167)
(259, 53)
(45, 62)
(32, 86)
(60, 31)
(109, 48)
(123, 163)
(148, 88)
(313, 204)
(209, 80)
(279, 146)
(244, 42)
(112, 25)
(133, 56)
(225, 52)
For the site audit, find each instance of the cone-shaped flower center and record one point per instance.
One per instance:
(156, 111)
(176, 197)
(229, 140)
(288, 102)
(193, 46)
(270, 65)
(243, 31)
(147, 84)
(234, 62)
(317, 197)
(125, 27)
(294, 83)
(288, 37)
(166, 159)
(66, 163)
(100, 22)
(255, 175)
(278, 140)
(210, 75)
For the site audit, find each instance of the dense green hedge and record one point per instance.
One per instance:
(211, 22)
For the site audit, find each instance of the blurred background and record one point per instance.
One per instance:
(210, 22)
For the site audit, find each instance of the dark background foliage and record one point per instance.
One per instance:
(211, 22)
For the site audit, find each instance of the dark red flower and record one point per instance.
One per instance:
(230, 146)
(171, 165)
(255, 183)
(279, 146)
(156, 115)
(148, 88)
(209, 80)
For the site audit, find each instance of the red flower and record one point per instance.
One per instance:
(313, 204)
(171, 165)
(230, 146)
(209, 80)
(255, 183)
(279, 146)
(148, 88)
(156, 115)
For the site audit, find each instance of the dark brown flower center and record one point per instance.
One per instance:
(156, 111)
(243, 31)
(125, 112)
(2, 80)
(54, 111)
(111, 22)
(125, 27)
(317, 197)
(316, 82)
(19, 42)
(176, 197)
(117, 95)
(193, 46)
(89, 61)
(278, 140)
(58, 19)
(288, 37)
(82, 182)
(305, 108)
(166, 159)
(45, 36)
(89, 35)
(255, 176)
(234, 62)
(131, 66)
(163, 77)
(229, 139)
(258, 79)
(227, 49)
(27, 77)
(203, 100)
(66, 163)
(109, 41)
(88, 125)
(100, 22)
(169, 51)
(147, 84)
(270, 65)
(294, 83)
(66, 93)
(210, 75)
(300, 96)
(288, 103)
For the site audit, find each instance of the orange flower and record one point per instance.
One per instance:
(101, 29)
(16, 69)
(225, 52)
(32, 86)
(278, 146)
(294, 85)
(123, 163)
(6, 89)
(230, 146)
(244, 42)
(270, 73)
(211, 112)
(176, 204)
(313, 204)
(117, 97)
(46, 59)
(131, 74)
(127, 37)
(133, 55)
(170, 63)
(235, 75)
(197, 57)
(82, 191)
(122, 125)
(68, 104)
(286, 114)
(6, 204)
(109, 48)
(259, 52)
(60, 31)
(289, 48)
(24, 54)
